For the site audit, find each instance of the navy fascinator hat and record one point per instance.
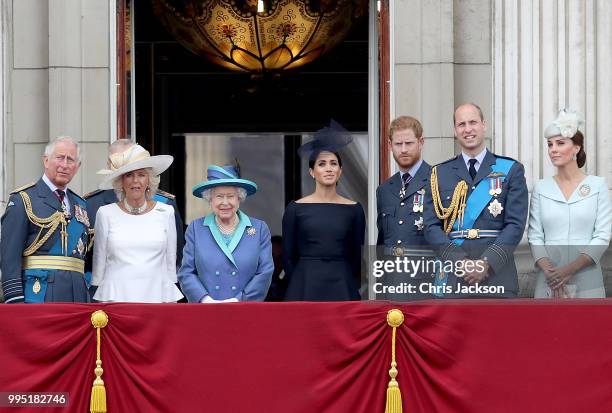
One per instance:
(330, 138)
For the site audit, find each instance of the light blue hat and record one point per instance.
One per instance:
(223, 176)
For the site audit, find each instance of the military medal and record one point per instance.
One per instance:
(417, 202)
(36, 287)
(80, 246)
(495, 186)
(584, 190)
(251, 231)
(66, 212)
(419, 224)
(495, 208)
(81, 215)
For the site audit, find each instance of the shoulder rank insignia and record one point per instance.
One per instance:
(92, 193)
(23, 188)
(166, 194)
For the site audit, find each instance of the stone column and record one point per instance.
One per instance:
(58, 84)
(441, 56)
(550, 54)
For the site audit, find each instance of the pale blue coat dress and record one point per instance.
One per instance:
(562, 229)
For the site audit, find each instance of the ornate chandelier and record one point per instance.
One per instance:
(259, 35)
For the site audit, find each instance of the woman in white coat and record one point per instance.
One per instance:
(569, 219)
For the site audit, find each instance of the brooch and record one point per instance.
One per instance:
(495, 208)
(584, 190)
(251, 231)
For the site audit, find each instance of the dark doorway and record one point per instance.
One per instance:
(179, 93)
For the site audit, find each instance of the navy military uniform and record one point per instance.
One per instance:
(43, 247)
(492, 222)
(99, 198)
(401, 230)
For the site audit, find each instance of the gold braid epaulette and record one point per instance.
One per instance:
(457, 205)
(51, 223)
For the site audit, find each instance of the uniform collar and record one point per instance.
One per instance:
(479, 158)
(412, 171)
(54, 188)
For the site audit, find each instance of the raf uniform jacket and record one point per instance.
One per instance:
(18, 233)
(400, 226)
(99, 198)
(242, 270)
(510, 223)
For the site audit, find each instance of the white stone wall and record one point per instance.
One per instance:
(550, 54)
(521, 61)
(441, 51)
(56, 73)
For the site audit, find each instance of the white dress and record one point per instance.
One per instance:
(135, 255)
(562, 229)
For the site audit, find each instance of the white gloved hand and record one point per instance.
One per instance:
(230, 300)
(208, 299)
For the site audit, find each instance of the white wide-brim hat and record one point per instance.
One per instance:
(133, 158)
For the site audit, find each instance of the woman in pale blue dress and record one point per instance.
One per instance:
(569, 219)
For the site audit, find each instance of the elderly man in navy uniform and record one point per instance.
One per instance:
(45, 234)
(477, 213)
(399, 202)
(99, 198)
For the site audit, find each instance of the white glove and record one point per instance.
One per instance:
(208, 299)
(230, 300)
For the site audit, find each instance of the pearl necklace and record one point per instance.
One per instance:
(132, 210)
(227, 229)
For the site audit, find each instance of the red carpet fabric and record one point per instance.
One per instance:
(453, 356)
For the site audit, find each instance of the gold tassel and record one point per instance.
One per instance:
(99, 320)
(395, 318)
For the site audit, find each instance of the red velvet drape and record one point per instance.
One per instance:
(453, 356)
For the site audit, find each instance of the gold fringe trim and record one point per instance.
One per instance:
(99, 320)
(395, 318)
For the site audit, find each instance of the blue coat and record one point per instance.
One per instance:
(399, 225)
(241, 270)
(510, 222)
(560, 229)
(18, 233)
(396, 217)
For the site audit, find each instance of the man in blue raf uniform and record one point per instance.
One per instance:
(99, 198)
(45, 234)
(399, 202)
(477, 212)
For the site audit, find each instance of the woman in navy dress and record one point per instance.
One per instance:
(323, 233)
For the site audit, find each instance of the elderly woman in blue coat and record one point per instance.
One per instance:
(227, 255)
